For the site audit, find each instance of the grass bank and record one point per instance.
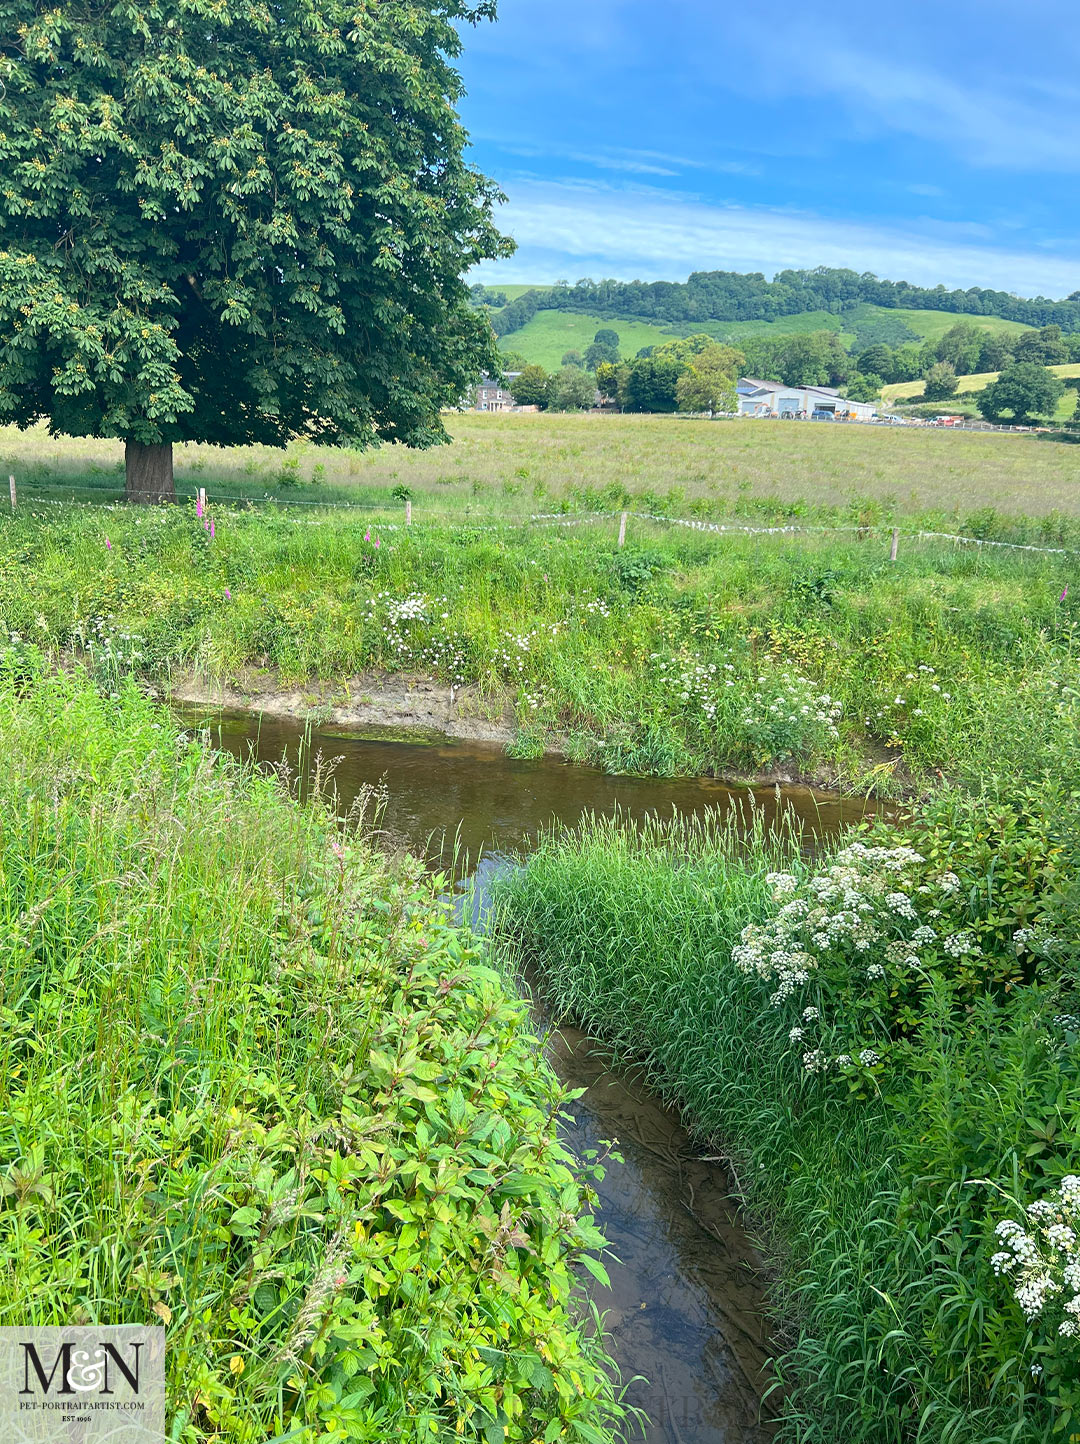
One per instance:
(255, 1086)
(681, 654)
(887, 1043)
(508, 466)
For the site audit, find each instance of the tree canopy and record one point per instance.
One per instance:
(238, 222)
(1023, 392)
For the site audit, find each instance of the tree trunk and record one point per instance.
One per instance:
(148, 472)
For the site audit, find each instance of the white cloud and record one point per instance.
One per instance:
(571, 229)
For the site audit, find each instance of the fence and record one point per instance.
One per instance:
(564, 519)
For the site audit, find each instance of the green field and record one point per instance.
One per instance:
(551, 333)
(510, 466)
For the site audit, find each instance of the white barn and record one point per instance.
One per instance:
(773, 398)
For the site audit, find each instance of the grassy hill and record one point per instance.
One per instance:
(969, 385)
(551, 333)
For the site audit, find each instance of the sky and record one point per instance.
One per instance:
(928, 142)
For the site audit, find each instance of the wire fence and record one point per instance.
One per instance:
(375, 509)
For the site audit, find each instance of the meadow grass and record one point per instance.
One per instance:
(508, 466)
(683, 653)
(257, 1087)
(878, 1186)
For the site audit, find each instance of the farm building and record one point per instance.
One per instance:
(772, 398)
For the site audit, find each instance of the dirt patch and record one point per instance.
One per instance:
(392, 703)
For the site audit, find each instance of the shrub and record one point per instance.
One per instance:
(256, 1085)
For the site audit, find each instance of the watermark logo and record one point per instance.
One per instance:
(85, 1385)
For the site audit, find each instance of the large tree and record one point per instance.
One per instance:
(237, 222)
(1022, 392)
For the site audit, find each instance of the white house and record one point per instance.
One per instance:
(493, 395)
(772, 398)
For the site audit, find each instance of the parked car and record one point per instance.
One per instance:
(822, 416)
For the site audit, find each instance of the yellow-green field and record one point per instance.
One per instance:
(906, 390)
(514, 464)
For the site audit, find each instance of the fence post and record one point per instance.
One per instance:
(11, 484)
(408, 513)
(622, 529)
(895, 543)
(202, 498)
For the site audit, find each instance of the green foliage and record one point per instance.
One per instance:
(607, 380)
(1023, 391)
(949, 659)
(573, 358)
(961, 348)
(941, 382)
(318, 1141)
(243, 226)
(731, 296)
(532, 387)
(862, 387)
(815, 359)
(708, 383)
(882, 1183)
(1046, 347)
(649, 383)
(572, 389)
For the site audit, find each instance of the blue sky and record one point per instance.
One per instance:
(925, 142)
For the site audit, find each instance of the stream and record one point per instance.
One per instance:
(686, 1310)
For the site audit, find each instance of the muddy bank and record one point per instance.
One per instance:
(417, 708)
(413, 706)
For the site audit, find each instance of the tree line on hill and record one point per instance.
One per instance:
(735, 296)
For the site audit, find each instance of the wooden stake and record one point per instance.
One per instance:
(895, 543)
(622, 529)
(202, 497)
(11, 484)
(408, 513)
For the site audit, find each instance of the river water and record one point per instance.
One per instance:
(686, 1312)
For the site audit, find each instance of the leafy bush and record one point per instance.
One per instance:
(256, 1085)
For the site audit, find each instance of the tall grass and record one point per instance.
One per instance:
(948, 659)
(890, 1325)
(500, 466)
(255, 1085)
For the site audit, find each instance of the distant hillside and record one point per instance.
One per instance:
(550, 334)
(731, 296)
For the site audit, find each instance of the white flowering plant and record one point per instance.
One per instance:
(1039, 1258)
(970, 901)
(760, 712)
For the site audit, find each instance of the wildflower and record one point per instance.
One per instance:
(1065, 593)
(198, 506)
(211, 528)
(868, 1058)
(108, 545)
(228, 595)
